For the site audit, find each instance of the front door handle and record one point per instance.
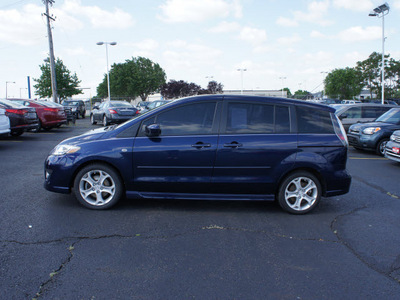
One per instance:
(200, 145)
(233, 145)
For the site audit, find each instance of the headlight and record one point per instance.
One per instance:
(371, 130)
(65, 149)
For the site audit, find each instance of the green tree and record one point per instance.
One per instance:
(371, 70)
(344, 83)
(287, 91)
(300, 94)
(135, 77)
(215, 87)
(67, 84)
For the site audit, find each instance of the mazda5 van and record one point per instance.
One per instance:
(211, 147)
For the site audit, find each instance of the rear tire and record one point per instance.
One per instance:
(105, 120)
(299, 193)
(16, 133)
(92, 120)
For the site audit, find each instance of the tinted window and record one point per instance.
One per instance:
(371, 112)
(250, 118)
(353, 112)
(187, 120)
(392, 116)
(282, 119)
(313, 120)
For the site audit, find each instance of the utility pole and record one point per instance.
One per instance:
(51, 50)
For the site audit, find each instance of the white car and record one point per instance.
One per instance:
(4, 122)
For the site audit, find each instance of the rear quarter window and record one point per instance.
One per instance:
(314, 120)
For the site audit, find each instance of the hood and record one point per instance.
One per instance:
(90, 135)
(361, 126)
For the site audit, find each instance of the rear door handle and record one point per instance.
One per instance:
(200, 145)
(233, 145)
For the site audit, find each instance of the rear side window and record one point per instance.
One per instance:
(313, 120)
(253, 118)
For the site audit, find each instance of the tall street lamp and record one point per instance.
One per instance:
(283, 78)
(241, 76)
(108, 72)
(380, 12)
(7, 82)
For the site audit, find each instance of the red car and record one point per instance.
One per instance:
(22, 118)
(49, 116)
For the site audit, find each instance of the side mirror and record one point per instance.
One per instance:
(153, 130)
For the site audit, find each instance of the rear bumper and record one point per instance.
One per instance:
(340, 185)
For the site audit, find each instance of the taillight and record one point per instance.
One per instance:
(339, 130)
(137, 112)
(112, 111)
(51, 109)
(16, 111)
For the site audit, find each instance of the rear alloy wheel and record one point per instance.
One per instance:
(92, 120)
(299, 193)
(16, 132)
(105, 120)
(380, 148)
(98, 186)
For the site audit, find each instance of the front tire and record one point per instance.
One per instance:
(380, 148)
(98, 186)
(299, 193)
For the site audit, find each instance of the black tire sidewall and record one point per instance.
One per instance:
(378, 146)
(286, 181)
(114, 175)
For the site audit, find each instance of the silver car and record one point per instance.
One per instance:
(4, 122)
(350, 114)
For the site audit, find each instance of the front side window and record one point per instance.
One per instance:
(191, 119)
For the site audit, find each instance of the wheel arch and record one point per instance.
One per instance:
(96, 161)
(300, 169)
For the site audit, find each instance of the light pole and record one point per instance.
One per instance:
(108, 73)
(241, 76)
(283, 78)
(380, 12)
(7, 82)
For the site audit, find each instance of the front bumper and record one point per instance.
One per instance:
(363, 141)
(391, 151)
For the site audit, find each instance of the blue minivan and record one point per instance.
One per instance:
(211, 147)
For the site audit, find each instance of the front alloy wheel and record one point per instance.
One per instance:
(380, 148)
(98, 186)
(299, 193)
(105, 120)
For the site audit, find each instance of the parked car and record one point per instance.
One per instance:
(142, 105)
(350, 101)
(113, 112)
(350, 114)
(49, 116)
(67, 111)
(21, 118)
(212, 147)
(392, 149)
(373, 136)
(77, 107)
(4, 123)
(154, 104)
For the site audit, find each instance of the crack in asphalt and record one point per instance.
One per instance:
(356, 254)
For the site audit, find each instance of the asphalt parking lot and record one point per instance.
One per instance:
(53, 248)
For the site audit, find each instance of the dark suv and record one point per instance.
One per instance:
(77, 107)
(212, 148)
(374, 135)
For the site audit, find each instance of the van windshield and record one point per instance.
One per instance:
(392, 116)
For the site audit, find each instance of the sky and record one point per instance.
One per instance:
(280, 43)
